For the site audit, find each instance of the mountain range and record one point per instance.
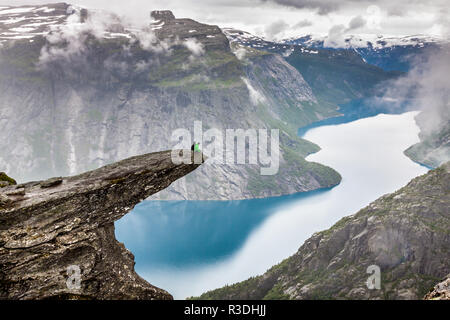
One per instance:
(82, 88)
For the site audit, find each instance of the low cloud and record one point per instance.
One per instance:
(288, 52)
(322, 6)
(148, 41)
(336, 37)
(425, 87)
(240, 53)
(255, 96)
(275, 29)
(194, 46)
(69, 41)
(400, 17)
(356, 23)
(337, 34)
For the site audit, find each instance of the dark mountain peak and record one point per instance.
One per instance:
(166, 26)
(162, 15)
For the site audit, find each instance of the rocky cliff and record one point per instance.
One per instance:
(335, 76)
(80, 89)
(441, 291)
(405, 234)
(52, 230)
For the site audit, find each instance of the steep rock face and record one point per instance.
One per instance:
(166, 26)
(49, 226)
(404, 233)
(335, 76)
(285, 101)
(125, 92)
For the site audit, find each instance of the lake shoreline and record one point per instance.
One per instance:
(189, 247)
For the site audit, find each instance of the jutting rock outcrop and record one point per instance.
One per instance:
(52, 231)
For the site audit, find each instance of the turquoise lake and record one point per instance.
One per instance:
(189, 247)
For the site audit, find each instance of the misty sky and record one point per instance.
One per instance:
(284, 18)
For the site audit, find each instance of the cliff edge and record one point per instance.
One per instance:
(57, 236)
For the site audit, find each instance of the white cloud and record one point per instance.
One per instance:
(194, 46)
(402, 17)
(276, 29)
(255, 96)
(240, 53)
(68, 40)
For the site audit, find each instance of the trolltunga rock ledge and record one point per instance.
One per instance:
(47, 226)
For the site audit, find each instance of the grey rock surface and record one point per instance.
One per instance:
(70, 224)
(124, 93)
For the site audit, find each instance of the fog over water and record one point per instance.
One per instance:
(189, 247)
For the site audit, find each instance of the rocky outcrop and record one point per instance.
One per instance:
(441, 291)
(404, 234)
(335, 76)
(167, 27)
(51, 230)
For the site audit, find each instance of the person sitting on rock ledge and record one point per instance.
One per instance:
(195, 147)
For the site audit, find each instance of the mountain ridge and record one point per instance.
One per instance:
(51, 229)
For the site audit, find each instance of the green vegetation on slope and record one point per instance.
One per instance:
(215, 69)
(104, 77)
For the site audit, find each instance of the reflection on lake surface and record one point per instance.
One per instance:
(189, 247)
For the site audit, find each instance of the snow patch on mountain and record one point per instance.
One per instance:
(374, 41)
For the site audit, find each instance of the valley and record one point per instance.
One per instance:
(191, 247)
(89, 97)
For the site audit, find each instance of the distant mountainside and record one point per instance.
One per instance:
(80, 89)
(335, 76)
(405, 234)
(402, 54)
(391, 53)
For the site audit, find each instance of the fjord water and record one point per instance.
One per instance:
(189, 247)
